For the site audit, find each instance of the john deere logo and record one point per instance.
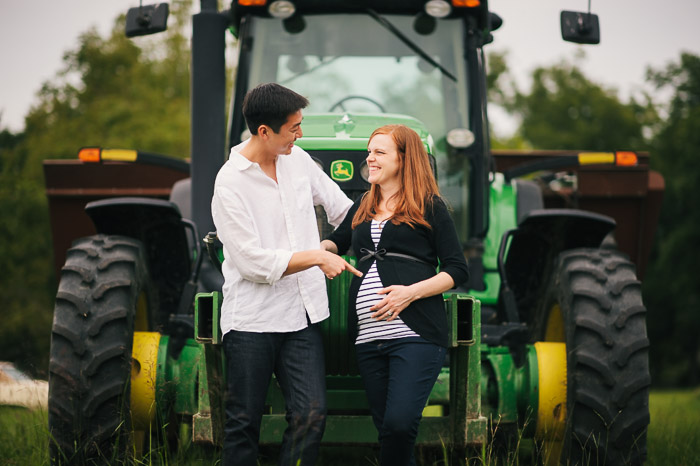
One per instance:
(341, 170)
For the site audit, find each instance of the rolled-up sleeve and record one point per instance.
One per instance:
(235, 228)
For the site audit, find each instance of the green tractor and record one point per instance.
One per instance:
(548, 338)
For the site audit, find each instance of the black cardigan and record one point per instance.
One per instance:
(425, 316)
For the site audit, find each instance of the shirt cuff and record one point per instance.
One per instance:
(281, 262)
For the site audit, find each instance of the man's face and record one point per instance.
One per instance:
(283, 141)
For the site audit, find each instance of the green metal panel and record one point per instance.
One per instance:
(344, 394)
(467, 425)
(348, 131)
(344, 126)
(489, 296)
(207, 311)
(340, 429)
(183, 375)
(204, 392)
(360, 430)
(165, 391)
(510, 389)
(208, 421)
(332, 144)
(340, 351)
(192, 385)
(440, 394)
(502, 217)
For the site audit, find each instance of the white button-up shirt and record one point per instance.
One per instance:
(261, 223)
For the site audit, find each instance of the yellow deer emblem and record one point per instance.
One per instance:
(341, 170)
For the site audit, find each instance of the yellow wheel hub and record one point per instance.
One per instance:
(551, 365)
(144, 365)
(551, 415)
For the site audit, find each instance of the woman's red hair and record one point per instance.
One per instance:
(418, 185)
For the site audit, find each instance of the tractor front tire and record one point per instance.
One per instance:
(594, 305)
(103, 289)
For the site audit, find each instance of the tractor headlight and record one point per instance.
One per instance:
(438, 8)
(460, 138)
(364, 171)
(281, 9)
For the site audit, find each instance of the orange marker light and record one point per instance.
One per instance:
(466, 3)
(89, 154)
(626, 159)
(252, 2)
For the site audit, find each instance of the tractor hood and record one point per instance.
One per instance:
(351, 131)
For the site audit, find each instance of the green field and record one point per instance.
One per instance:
(674, 432)
(673, 440)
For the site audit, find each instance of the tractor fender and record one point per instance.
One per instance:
(538, 240)
(158, 225)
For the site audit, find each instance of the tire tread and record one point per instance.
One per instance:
(90, 357)
(607, 357)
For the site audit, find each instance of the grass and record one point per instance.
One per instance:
(674, 431)
(673, 439)
(23, 436)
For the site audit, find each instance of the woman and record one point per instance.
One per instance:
(399, 230)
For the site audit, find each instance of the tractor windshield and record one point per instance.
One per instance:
(353, 63)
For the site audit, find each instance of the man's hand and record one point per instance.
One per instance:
(333, 265)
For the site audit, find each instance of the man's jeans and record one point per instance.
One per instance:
(297, 359)
(398, 376)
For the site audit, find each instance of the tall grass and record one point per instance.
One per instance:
(674, 431)
(24, 436)
(673, 440)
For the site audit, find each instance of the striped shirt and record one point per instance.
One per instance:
(370, 329)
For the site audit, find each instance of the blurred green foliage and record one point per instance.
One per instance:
(672, 285)
(112, 92)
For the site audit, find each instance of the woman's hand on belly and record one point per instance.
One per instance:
(397, 298)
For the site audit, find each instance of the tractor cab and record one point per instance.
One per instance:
(380, 61)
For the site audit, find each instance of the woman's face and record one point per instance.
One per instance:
(383, 160)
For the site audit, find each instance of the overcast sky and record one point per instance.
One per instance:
(635, 34)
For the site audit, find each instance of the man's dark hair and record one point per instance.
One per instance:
(270, 104)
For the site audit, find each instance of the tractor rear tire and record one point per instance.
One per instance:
(602, 321)
(103, 285)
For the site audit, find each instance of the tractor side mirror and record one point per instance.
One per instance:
(581, 28)
(148, 19)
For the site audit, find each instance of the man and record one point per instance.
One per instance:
(274, 288)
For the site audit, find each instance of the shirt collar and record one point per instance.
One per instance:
(239, 161)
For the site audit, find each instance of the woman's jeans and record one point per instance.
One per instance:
(297, 359)
(398, 376)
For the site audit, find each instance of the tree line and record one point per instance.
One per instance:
(116, 92)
